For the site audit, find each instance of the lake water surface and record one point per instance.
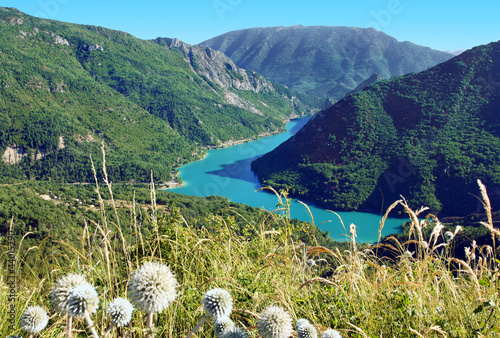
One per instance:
(226, 172)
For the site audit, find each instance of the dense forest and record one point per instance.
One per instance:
(66, 89)
(426, 136)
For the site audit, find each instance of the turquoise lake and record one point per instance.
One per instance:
(226, 172)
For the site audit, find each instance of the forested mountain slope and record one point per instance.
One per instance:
(321, 60)
(426, 136)
(66, 88)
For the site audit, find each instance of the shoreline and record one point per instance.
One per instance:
(175, 183)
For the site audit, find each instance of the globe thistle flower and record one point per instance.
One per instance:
(60, 293)
(218, 303)
(151, 287)
(300, 322)
(307, 331)
(330, 333)
(235, 333)
(83, 299)
(34, 319)
(223, 324)
(120, 310)
(449, 235)
(311, 262)
(274, 322)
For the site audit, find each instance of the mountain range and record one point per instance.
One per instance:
(324, 61)
(154, 104)
(427, 136)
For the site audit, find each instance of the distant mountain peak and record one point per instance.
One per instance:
(325, 61)
(456, 52)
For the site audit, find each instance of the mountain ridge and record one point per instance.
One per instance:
(67, 88)
(426, 136)
(326, 61)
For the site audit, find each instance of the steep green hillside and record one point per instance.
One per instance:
(66, 88)
(323, 61)
(426, 136)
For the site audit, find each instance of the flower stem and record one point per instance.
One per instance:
(69, 323)
(150, 324)
(200, 324)
(108, 330)
(91, 325)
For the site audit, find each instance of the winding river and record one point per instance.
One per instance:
(226, 172)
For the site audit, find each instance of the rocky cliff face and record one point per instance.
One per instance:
(14, 154)
(217, 67)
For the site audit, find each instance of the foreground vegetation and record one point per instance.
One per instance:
(420, 289)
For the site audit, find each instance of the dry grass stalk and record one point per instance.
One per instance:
(384, 218)
(471, 272)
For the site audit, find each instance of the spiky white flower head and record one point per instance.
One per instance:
(152, 287)
(120, 310)
(449, 235)
(60, 293)
(300, 322)
(307, 331)
(34, 319)
(274, 322)
(331, 333)
(223, 324)
(235, 333)
(83, 298)
(218, 303)
(311, 262)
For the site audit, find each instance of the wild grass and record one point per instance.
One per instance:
(419, 290)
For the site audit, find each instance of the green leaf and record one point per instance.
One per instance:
(484, 282)
(479, 309)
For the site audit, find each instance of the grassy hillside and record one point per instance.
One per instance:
(425, 136)
(67, 88)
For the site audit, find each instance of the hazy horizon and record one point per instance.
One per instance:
(442, 25)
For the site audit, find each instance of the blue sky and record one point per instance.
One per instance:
(440, 24)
